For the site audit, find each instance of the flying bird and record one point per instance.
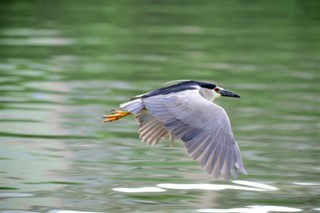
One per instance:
(185, 111)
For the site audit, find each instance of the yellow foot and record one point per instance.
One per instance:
(115, 115)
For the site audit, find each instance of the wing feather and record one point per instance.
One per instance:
(200, 148)
(203, 126)
(207, 154)
(151, 130)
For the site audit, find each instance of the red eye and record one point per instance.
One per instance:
(216, 89)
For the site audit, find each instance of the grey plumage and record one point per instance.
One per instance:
(186, 113)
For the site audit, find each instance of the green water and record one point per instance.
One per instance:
(66, 63)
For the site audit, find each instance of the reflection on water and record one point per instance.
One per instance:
(67, 211)
(34, 37)
(65, 64)
(159, 188)
(37, 41)
(254, 209)
(12, 194)
(139, 190)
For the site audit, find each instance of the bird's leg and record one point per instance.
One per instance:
(115, 115)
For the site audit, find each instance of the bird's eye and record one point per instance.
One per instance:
(216, 89)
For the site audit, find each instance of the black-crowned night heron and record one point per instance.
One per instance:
(185, 111)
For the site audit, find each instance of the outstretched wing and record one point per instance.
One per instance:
(150, 129)
(203, 126)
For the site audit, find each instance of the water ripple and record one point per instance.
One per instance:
(37, 41)
(254, 209)
(68, 211)
(257, 185)
(139, 190)
(215, 187)
(207, 187)
(15, 194)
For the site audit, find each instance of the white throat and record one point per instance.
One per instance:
(209, 94)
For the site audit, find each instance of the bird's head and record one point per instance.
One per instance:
(222, 92)
(212, 91)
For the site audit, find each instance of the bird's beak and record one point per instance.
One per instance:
(228, 93)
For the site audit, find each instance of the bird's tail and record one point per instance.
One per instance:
(133, 106)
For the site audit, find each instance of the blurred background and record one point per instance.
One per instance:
(66, 63)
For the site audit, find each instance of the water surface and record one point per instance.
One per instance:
(66, 63)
